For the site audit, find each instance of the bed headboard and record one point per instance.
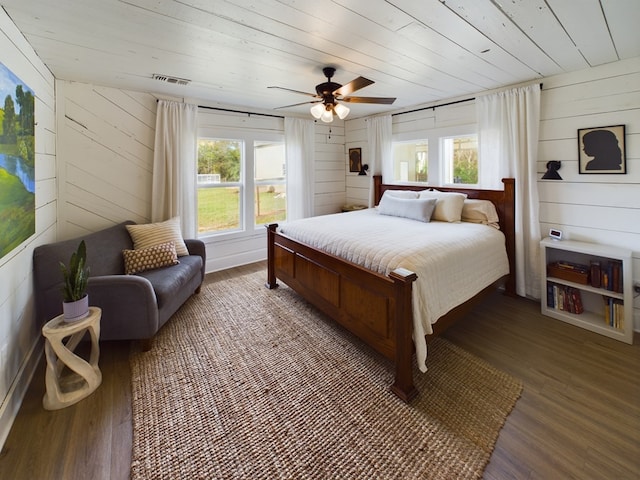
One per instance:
(504, 200)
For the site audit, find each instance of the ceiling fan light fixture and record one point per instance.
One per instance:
(327, 115)
(341, 111)
(317, 110)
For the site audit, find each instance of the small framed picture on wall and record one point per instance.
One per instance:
(601, 150)
(355, 159)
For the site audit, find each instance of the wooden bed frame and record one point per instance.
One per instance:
(375, 307)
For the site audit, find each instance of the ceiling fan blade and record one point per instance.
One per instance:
(382, 100)
(296, 91)
(352, 86)
(298, 104)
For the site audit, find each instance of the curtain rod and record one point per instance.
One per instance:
(235, 111)
(439, 105)
(240, 111)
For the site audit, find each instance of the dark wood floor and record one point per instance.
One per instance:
(578, 417)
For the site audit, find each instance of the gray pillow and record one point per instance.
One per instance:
(414, 208)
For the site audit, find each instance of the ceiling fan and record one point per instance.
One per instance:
(328, 93)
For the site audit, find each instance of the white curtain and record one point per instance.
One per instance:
(173, 190)
(299, 139)
(379, 137)
(508, 125)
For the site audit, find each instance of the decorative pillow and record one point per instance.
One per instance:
(448, 205)
(400, 194)
(162, 255)
(479, 211)
(414, 208)
(150, 234)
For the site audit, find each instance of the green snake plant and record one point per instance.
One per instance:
(76, 276)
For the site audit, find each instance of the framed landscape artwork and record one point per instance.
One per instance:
(601, 150)
(17, 162)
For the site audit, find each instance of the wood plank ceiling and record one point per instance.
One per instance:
(420, 51)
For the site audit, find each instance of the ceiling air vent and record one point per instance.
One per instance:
(168, 79)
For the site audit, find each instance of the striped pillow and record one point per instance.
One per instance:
(150, 234)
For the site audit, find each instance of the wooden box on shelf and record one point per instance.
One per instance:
(574, 293)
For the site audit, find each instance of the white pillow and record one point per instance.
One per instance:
(479, 211)
(414, 208)
(448, 205)
(150, 234)
(401, 194)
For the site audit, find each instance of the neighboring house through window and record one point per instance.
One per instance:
(241, 182)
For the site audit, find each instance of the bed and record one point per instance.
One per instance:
(356, 279)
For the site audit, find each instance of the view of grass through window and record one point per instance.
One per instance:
(461, 156)
(222, 193)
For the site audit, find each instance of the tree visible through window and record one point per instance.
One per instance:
(460, 158)
(240, 188)
(219, 185)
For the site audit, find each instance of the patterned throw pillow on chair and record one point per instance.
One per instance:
(157, 256)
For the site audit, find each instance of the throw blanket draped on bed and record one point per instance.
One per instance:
(453, 261)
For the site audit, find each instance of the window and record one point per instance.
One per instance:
(460, 159)
(270, 181)
(441, 156)
(410, 161)
(240, 188)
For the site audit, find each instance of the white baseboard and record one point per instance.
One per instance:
(12, 402)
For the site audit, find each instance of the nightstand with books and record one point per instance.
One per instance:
(588, 285)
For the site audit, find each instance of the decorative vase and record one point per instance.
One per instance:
(74, 311)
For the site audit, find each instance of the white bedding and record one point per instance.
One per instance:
(453, 261)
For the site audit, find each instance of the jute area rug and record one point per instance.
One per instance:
(246, 382)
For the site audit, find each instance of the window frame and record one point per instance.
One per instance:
(247, 183)
(436, 172)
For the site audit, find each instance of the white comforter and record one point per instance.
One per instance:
(453, 261)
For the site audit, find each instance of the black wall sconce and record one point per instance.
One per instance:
(363, 169)
(552, 170)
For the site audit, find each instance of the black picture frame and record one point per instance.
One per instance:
(355, 159)
(604, 151)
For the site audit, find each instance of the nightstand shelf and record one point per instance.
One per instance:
(607, 311)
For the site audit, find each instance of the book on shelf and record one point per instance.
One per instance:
(614, 312)
(562, 297)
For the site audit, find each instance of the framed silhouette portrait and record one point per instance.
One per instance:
(601, 150)
(355, 159)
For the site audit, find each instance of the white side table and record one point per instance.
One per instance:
(85, 377)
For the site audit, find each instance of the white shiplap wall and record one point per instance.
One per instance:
(20, 339)
(595, 208)
(105, 151)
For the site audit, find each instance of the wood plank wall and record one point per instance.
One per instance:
(594, 208)
(105, 143)
(20, 339)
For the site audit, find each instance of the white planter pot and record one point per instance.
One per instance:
(74, 311)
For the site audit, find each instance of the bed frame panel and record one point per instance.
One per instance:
(375, 307)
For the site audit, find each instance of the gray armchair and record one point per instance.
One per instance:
(134, 307)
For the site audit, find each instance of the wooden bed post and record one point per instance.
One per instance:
(510, 233)
(271, 267)
(403, 384)
(377, 183)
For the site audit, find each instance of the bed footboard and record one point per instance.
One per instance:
(374, 307)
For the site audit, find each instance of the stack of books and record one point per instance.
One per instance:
(564, 298)
(607, 275)
(614, 312)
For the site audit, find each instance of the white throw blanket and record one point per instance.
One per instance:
(453, 261)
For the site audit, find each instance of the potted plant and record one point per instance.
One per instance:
(75, 301)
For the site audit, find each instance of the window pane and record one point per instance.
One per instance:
(270, 177)
(410, 161)
(460, 155)
(219, 185)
